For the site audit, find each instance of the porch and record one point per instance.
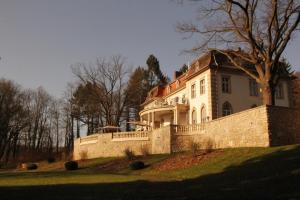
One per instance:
(164, 115)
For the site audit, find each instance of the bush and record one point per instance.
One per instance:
(31, 166)
(136, 165)
(145, 151)
(194, 148)
(129, 154)
(71, 165)
(51, 159)
(209, 146)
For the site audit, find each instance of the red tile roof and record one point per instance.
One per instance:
(209, 59)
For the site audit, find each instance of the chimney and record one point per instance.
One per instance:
(176, 74)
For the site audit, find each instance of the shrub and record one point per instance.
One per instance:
(31, 166)
(129, 154)
(194, 148)
(71, 165)
(136, 165)
(145, 151)
(51, 159)
(209, 146)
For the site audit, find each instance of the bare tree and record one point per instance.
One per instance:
(67, 118)
(13, 118)
(107, 83)
(39, 114)
(260, 30)
(55, 122)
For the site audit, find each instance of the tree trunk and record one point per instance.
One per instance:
(267, 94)
(57, 137)
(78, 128)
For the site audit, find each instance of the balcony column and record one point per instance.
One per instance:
(176, 116)
(148, 119)
(152, 120)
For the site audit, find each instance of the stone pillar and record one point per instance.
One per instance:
(148, 120)
(175, 116)
(152, 120)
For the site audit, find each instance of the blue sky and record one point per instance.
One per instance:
(41, 39)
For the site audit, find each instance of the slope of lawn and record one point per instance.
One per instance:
(242, 173)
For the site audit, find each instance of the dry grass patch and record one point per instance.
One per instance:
(186, 160)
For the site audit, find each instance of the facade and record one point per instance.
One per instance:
(211, 88)
(211, 91)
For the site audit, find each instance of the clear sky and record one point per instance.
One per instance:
(41, 39)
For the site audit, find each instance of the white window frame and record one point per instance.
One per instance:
(193, 90)
(202, 86)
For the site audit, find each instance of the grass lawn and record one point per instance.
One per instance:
(242, 173)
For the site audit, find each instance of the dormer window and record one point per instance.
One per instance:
(177, 83)
(168, 89)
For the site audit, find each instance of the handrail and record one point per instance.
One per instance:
(134, 134)
(188, 129)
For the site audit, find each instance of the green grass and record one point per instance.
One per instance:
(242, 173)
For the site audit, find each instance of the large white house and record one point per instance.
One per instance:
(211, 88)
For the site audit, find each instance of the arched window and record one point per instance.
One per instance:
(227, 109)
(203, 114)
(194, 116)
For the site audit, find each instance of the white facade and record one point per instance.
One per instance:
(207, 93)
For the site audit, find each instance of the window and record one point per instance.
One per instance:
(203, 114)
(183, 99)
(193, 91)
(176, 99)
(253, 87)
(162, 121)
(279, 91)
(226, 109)
(202, 86)
(177, 84)
(194, 116)
(226, 85)
(168, 89)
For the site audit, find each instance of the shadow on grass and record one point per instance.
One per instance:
(273, 176)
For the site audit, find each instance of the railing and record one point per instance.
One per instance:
(89, 139)
(162, 104)
(188, 129)
(127, 135)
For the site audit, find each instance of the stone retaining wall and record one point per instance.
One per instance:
(244, 129)
(284, 125)
(104, 145)
(262, 126)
